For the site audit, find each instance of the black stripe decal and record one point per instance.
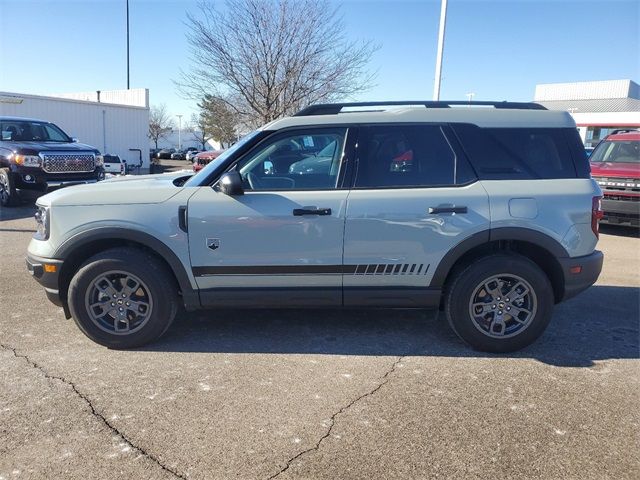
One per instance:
(362, 269)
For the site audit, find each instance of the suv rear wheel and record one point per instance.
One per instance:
(123, 298)
(499, 303)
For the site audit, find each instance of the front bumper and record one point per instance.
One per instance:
(46, 272)
(576, 282)
(30, 178)
(621, 209)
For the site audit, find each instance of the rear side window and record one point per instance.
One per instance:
(519, 153)
(408, 156)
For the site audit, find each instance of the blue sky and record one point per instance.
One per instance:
(497, 49)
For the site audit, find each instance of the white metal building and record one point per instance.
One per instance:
(115, 122)
(597, 107)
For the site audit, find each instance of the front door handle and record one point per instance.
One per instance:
(311, 211)
(436, 210)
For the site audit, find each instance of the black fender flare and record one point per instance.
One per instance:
(486, 236)
(67, 248)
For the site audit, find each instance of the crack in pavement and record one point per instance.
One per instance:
(94, 412)
(383, 381)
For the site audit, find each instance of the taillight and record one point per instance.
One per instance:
(596, 215)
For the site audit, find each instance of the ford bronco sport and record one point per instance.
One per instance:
(615, 165)
(487, 211)
(37, 155)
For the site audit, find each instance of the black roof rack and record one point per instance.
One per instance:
(624, 130)
(334, 108)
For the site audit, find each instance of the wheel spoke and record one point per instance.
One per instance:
(134, 306)
(486, 308)
(515, 314)
(103, 307)
(513, 294)
(128, 290)
(493, 292)
(121, 319)
(104, 285)
(498, 321)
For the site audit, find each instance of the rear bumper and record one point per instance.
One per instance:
(590, 268)
(46, 272)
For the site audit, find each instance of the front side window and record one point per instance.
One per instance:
(298, 160)
(406, 156)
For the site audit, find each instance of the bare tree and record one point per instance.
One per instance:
(200, 129)
(160, 123)
(220, 119)
(267, 59)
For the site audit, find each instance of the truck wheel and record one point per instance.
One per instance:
(123, 298)
(8, 194)
(499, 303)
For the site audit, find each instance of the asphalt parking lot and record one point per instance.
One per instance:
(320, 394)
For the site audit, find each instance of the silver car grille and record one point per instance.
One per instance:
(68, 162)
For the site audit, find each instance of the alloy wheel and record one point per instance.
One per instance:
(118, 302)
(503, 305)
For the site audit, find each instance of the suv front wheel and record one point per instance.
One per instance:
(123, 298)
(8, 194)
(499, 303)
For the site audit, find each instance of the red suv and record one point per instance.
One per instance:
(203, 158)
(615, 165)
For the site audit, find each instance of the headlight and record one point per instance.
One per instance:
(99, 160)
(42, 223)
(28, 160)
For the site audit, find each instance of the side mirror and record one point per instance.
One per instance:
(231, 184)
(74, 139)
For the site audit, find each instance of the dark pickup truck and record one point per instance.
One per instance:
(38, 155)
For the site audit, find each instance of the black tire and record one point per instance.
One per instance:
(483, 333)
(154, 276)
(8, 194)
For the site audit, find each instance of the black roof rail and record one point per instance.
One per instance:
(624, 130)
(334, 108)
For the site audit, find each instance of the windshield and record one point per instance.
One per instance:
(617, 152)
(29, 131)
(215, 163)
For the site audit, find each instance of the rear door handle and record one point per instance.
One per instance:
(311, 211)
(437, 210)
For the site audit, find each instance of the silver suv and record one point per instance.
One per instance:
(485, 210)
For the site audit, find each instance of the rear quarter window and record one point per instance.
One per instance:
(523, 153)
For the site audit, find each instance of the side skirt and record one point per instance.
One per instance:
(303, 297)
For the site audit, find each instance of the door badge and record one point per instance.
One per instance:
(213, 243)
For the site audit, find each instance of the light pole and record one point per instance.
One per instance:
(179, 131)
(443, 21)
(128, 45)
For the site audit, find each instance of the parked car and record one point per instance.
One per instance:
(178, 155)
(38, 155)
(165, 153)
(494, 219)
(204, 158)
(191, 155)
(615, 165)
(113, 164)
